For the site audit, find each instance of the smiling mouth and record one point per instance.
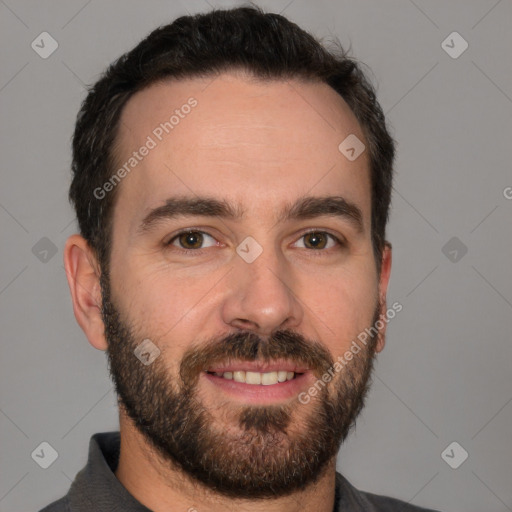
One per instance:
(257, 373)
(257, 378)
(259, 382)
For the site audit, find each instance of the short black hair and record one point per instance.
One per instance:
(266, 45)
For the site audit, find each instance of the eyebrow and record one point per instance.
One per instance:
(307, 207)
(310, 207)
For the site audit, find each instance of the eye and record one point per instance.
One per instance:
(318, 240)
(191, 240)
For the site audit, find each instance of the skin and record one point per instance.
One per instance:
(261, 145)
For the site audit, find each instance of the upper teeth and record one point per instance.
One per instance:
(257, 377)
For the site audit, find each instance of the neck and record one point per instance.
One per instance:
(160, 488)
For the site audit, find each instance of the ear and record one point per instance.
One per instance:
(385, 272)
(83, 274)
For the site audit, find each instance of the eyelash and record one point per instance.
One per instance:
(200, 251)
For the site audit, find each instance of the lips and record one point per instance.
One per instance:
(259, 381)
(258, 372)
(256, 378)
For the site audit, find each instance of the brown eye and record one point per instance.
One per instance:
(315, 240)
(318, 240)
(190, 240)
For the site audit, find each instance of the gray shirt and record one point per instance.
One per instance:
(97, 489)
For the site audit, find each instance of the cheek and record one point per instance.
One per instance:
(342, 306)
(163, 306)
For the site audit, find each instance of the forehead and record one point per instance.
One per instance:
(252, 142)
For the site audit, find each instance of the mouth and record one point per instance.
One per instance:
(257, 378)
(256, 382)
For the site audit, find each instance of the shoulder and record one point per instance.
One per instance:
(350, 498)
(387, 504)
(61, 505)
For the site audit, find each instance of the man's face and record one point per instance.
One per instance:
(243, 325)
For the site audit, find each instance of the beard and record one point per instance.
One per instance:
(239, 451)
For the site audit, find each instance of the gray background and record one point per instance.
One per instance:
(445, 373)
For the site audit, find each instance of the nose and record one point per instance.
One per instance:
(260, 297)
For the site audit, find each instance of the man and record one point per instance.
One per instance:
(232, 183)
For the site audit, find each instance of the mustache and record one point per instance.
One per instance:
(248, 346)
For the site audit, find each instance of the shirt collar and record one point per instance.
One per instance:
(97, 488)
